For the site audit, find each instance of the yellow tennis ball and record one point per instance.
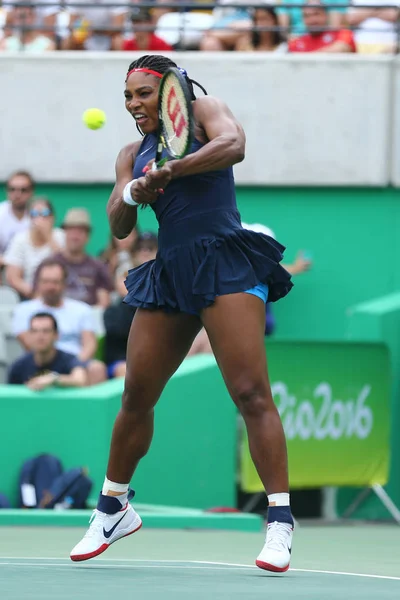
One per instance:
(94, 118)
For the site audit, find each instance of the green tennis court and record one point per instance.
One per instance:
(329, 563)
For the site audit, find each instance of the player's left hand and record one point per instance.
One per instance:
(41, 382)
(158, 179)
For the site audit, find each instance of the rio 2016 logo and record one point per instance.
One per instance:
(324, 417)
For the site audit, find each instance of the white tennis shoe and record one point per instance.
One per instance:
(275, 556)
(104, 530)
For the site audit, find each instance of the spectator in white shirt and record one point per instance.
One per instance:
(26, 35)
(376, 28)
(29, 248)
(14, 217)
(76, 326)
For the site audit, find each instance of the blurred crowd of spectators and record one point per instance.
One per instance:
(277, 27)
(62, 288)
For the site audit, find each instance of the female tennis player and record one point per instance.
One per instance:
(208, 271)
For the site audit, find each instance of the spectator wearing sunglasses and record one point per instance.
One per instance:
(14, 217)
(29, 248)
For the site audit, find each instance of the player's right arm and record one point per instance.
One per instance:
(123, 216)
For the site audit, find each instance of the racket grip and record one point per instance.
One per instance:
(160, 163)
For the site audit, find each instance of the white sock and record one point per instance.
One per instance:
(120, 488)
(282, 499)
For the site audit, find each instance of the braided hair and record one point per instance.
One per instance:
(161, 64)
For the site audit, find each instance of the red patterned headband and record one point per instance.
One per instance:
(144, 71)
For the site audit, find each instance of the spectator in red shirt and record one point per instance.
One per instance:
(144, 37)
(320, 38)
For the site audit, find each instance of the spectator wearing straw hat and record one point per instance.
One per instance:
(88, 279)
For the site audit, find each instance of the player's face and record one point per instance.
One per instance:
(76, 238)
(43, 334)
(19, 191)
(315, 17)
(51, 284)
(264, 19)
(141, 100)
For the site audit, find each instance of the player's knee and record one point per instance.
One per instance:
(252, 399)
(135, 395)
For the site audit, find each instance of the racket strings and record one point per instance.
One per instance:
(175, 117)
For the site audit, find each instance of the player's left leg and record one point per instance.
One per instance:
(235, 324)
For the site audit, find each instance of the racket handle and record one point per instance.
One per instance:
(160, 163)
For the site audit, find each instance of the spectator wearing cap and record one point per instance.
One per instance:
(14, 211)
(88, 279)
(144, 38)
(319, 37)
(29, 248)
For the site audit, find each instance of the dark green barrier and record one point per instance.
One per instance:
(192, 461)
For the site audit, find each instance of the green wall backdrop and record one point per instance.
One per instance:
(351, 233)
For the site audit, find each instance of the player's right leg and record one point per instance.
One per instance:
(158, 343)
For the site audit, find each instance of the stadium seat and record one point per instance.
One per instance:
(185, 29)
(8, 296)
(13, 348)
(3, 359)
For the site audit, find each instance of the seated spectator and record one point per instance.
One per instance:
(320, 38)
(24, 36)
(29, 248)
(376, 28)
(145, 250)
(46, 366)
(94, 25)
(118, 251)
(229, 26)
(144, 37)
(263, 41)
(118, 317)
(77, 333)
(88, 279)
(291, 19)
(117, 323)
(14, 214)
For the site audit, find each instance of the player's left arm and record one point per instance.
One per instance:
(226, 136)
(388, 14)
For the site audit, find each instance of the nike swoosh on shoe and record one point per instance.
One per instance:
(109, 533)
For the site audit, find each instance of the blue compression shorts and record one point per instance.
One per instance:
(260, 290)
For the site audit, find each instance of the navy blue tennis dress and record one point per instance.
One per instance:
(203, 251)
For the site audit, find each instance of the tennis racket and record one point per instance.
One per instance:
(175, 117)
